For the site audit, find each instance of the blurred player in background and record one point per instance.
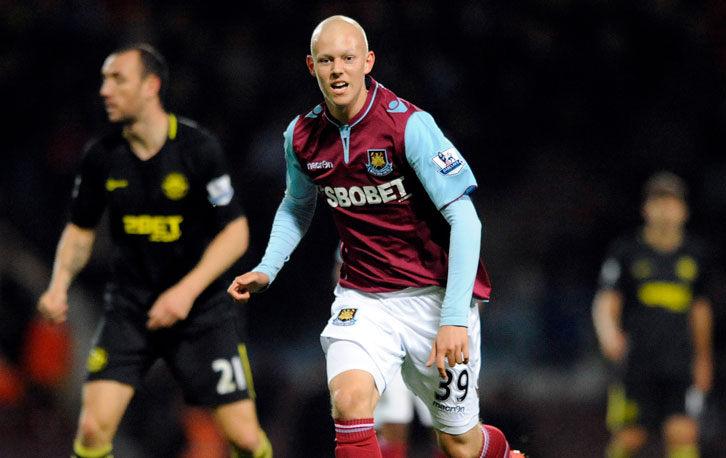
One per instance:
(176, 227)
(653, 319)
(399, 192)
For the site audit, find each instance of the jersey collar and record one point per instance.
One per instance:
(173, 126)
(372, 86)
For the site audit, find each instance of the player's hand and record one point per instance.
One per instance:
(173, 305)
(246, 284)
(703, 374)
(452, 343)
(53, 306)
(615, 346)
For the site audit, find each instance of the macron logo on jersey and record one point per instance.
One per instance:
(317, 165)
(361, 195)
(449, 162)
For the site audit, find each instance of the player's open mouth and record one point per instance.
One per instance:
(339, 86)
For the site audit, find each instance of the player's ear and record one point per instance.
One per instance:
(370, 60)
(152, 85)
(311, 64)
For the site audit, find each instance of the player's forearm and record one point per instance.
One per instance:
(292, 220)
(74, 250)
(225, 249)
(702, 328)
(606, 311)
(464, 245)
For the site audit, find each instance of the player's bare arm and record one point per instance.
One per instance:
(176, 302)
(606, 312)
(702, 329)
(243, 285)
(74, 250)
(452, 344)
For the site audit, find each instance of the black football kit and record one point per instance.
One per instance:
(658, 289)
(163, 213)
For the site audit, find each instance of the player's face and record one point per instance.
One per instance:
(123, 89)
(340, 62)
(668, 212)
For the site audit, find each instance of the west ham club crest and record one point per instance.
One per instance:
(378, 163)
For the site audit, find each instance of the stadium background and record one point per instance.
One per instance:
(561, 107)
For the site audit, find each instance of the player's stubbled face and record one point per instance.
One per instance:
(665, 211)
(340, 63)
(121, 89)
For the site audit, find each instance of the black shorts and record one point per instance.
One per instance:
(646, 400)
(210, 363)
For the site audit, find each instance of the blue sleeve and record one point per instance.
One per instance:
(464, 246)
(293, 216)
(442, 170)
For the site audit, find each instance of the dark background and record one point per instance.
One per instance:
(562, 108)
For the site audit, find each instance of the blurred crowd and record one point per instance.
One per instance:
(562, 108)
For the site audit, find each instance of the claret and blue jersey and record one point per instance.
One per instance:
(386, 174)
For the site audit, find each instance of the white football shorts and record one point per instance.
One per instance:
(382, 333)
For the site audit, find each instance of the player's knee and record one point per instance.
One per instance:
(680, 430)
(631, 440)
(350, 402)
(94, 431)
(247, 438)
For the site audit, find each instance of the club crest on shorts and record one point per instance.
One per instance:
(378, 163)
(346, 317)
(449, 162)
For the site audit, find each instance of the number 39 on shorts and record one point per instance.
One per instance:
(462, 383)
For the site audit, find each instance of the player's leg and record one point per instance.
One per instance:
(624, 418)
(353, 397)
(238, 422)
(680, 430)
(212, 367)
(453, 402)
(392, 416)
(116, 364)
(104, 403)
(681, 437)
(482, 441)
(362, 352)
(627, 442)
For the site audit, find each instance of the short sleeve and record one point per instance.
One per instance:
(89, 193)
(440, 167)
(705, 265)
(611, 270)
(299, 185)
(215, 175)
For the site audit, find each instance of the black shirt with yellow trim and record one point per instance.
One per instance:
(163, 212)
(658, 289)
